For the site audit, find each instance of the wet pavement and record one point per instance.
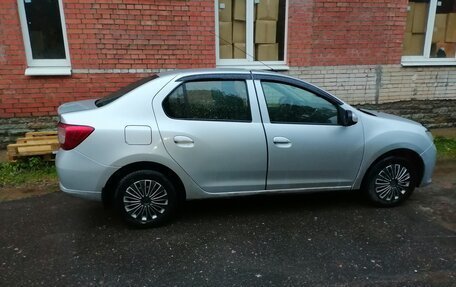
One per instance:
(334, 239)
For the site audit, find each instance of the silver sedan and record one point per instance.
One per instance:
(194, 134)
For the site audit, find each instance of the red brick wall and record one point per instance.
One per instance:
(300, 25)
(40, 96)
(163, 34)
(105, 34)
(150, 34)
(351, 32)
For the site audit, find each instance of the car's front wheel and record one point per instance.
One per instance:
(146, 198)
(390, 181)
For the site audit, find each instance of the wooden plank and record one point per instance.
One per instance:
(16, 145)
(37, 149)
(20, 150)
(40, 134)
(10, 158)
(32, 139)
(11, 150)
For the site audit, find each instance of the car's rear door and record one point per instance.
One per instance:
(308, 148)
(211, 126)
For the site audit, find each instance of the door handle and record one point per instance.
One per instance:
(281, 142)
(183, 141)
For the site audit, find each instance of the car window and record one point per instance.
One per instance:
(290, 104)
(209, 100)
(122, 91)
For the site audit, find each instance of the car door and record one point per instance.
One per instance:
(212, 128)
(307, 146)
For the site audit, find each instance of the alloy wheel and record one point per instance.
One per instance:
(145, 200)
(392, 182)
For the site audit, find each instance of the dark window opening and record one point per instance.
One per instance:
(209, 100)
(45, 29)
(119, 93)
(290, 104)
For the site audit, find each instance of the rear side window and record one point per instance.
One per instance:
(119, 93)
(225, 100)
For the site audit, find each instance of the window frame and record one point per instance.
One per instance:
(44, 67)
(207, 79)
(425, 59)
(249, 62)
(315, 92)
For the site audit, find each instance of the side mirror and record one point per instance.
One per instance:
(349, 118)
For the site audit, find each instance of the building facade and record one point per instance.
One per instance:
(365, 52)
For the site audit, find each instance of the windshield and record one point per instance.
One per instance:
(119, 93)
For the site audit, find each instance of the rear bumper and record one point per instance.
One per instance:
(91, 195)
(429, 159)
(81, 176)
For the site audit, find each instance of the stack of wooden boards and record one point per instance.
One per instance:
(34, 144)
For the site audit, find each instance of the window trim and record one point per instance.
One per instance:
(425, 59)
(298, 84)
(44, 67)
(215, 77)
(249, 62)
(208, 79)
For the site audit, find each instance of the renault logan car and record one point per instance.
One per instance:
(195, 134)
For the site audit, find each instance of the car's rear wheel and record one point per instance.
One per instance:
(146, 198)
(390, 181)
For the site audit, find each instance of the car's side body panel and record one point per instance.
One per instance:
(400, 134)
(317, 155)
(220, 156)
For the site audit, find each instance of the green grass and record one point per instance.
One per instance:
(446, 147)
(29, 171)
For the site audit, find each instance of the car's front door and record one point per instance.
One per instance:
(307, 146)
(212, 128)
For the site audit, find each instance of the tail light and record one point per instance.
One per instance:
(70, 136)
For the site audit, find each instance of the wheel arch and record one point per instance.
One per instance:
(108, 190)
(409, 154)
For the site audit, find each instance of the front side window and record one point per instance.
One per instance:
(430, 35)
(290, 104)
(43, 28)
(251, 32)
(209, 100)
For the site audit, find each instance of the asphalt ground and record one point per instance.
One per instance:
(331, 239)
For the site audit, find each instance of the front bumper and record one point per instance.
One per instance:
(429, 159)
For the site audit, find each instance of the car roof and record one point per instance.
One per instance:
(195, 72)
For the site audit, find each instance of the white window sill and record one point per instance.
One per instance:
(48, 71)
(257, 67)
(416, 61)
(252, 65)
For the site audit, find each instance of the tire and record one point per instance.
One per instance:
(390, 181)
(146, 198)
